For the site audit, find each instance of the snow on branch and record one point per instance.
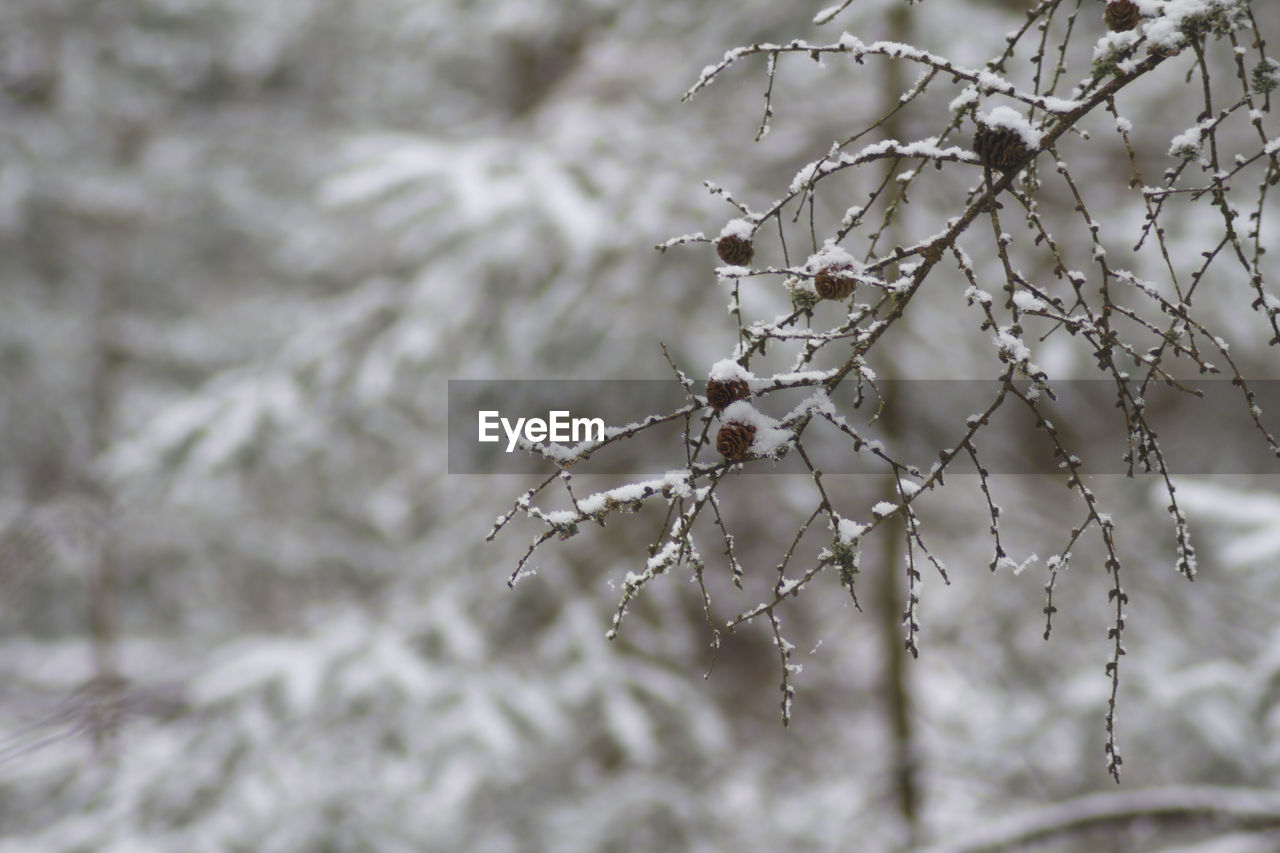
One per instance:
(1030, 272)
(986, 82)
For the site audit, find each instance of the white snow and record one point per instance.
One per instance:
(1186, 144)
(977, 294)
(802, 377)
(884, 508)
(805, 175)
(1114, 44)
(849, 530)
(1010, 118)
(964, 99)
(738, 228)
(1027, 301)
(1011, 345)
(675, 481)
(1165, 30)
(828, 13)
(1014, 566)
(851, 43)
(831, 255)
(727, 370)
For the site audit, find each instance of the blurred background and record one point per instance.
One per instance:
(243, 607)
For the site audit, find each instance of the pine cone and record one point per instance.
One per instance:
(1000, 148)
(734, 439)
(831, 283)
(734, 250)
(721, 394)
(1122, 15)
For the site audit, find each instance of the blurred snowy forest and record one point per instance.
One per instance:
(243, 247)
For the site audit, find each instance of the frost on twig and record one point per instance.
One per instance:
(1026, 282)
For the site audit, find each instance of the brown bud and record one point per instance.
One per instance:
(1122, 15)
(834, 283)
(734, 250)
(734, 439)
(721, 394)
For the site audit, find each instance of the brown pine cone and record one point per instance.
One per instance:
(831, 283)
(1000, 147)
(1122, 15)
(734, 250)
(734, 439)
(721, 394)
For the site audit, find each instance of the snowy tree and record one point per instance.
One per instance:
(1143, 316)
(246, 244)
